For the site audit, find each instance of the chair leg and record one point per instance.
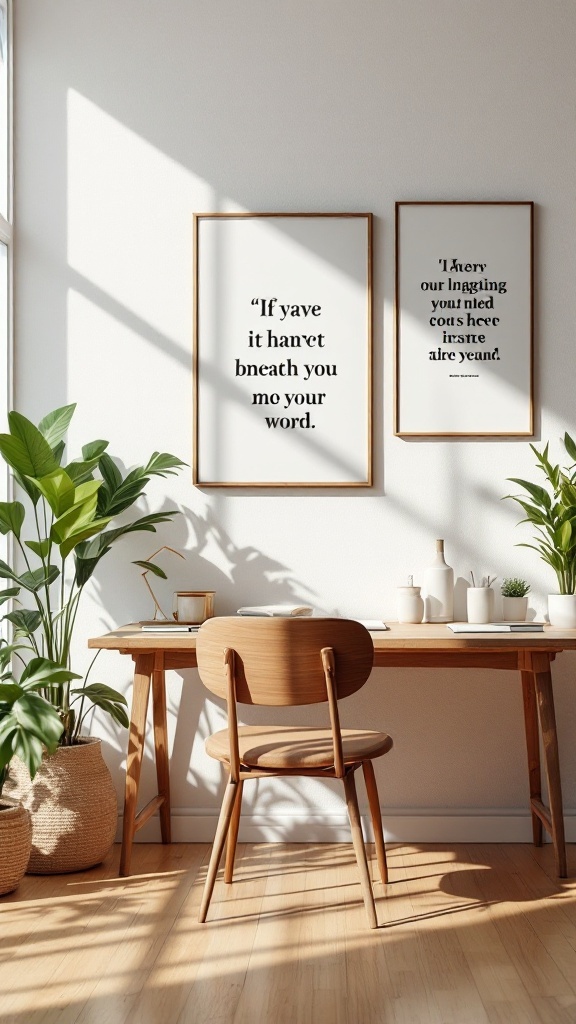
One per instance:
(233, 834)
(359, 849)
(219, 840)
(376, 815)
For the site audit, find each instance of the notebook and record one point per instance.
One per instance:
(496, 627)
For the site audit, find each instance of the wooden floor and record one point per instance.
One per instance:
(468, 934)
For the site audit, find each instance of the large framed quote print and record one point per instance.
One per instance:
(464, 319)
(282, 350)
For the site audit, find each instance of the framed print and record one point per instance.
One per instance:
(282, 350)
(464, 319)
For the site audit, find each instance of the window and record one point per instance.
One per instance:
(6, 233)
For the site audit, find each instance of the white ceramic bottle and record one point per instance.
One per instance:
(438, 589)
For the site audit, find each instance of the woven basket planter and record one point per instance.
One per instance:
(72, 803)
(15, 843)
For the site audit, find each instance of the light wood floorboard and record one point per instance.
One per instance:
(468, 934)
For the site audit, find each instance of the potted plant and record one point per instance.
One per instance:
(70, 509)
(29, 725)
(551, 509)
(514, 599)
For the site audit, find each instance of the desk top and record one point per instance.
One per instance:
(398, 637)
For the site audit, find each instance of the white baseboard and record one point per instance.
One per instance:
(458, 825)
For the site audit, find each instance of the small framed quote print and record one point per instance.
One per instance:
(282, 350)
(464, 319)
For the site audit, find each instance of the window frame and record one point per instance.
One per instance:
(7, 239)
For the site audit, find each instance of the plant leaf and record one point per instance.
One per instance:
(565, 535)
(32, 714)
(151, 567)
(11, 517)
(43, 672)
(93, 450)
(77, 516)
(163, 464)
(29, 749)
(10, 592)
(81, 471)
(25, 620)
(570, 446)
(110, 473)
(55, 424)
(87, 556)
(58, 489)
(25, 448)
(34, 579)
(104, 697)
(100, 690)
(82, 534)
(538, 493)
(9, 692)
(6, 573)
(40, 548)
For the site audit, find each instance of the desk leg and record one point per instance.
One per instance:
(142, 675)
(161, 745)
(533, 750)
(537, 664)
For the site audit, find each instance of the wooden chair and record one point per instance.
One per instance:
(288, 662)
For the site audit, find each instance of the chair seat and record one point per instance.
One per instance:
(296, 747)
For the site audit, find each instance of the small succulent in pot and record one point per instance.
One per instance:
(513, 586)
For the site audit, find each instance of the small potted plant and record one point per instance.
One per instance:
(66, 523)
(29, 725)
(551, 510)
(514, 599)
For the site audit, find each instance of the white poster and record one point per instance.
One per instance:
(464, 319)
(282, 350)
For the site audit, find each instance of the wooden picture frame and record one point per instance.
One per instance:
(464, 320)
(282, 352)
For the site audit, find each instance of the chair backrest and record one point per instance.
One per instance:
(278, 661)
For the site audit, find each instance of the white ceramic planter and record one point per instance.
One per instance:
(562, 610)
(514, 608)
(480, 604)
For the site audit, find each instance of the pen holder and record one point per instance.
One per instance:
(193, 606)
(480, 604)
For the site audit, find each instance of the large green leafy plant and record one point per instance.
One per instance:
(70, 508)
(552, 510)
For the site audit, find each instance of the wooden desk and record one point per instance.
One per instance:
(402, 646)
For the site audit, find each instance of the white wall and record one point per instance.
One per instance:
(132, 115)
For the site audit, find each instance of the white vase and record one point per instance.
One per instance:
(480, 604)
(514, 608)
(438, 589)
(562, 610)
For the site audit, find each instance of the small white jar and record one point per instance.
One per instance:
(409, 604)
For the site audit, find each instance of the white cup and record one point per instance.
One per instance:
(480, 604)
(193, 605)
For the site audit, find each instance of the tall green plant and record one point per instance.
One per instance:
(552, 510)
(71, 508)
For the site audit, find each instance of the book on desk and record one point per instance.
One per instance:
(496, 627)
